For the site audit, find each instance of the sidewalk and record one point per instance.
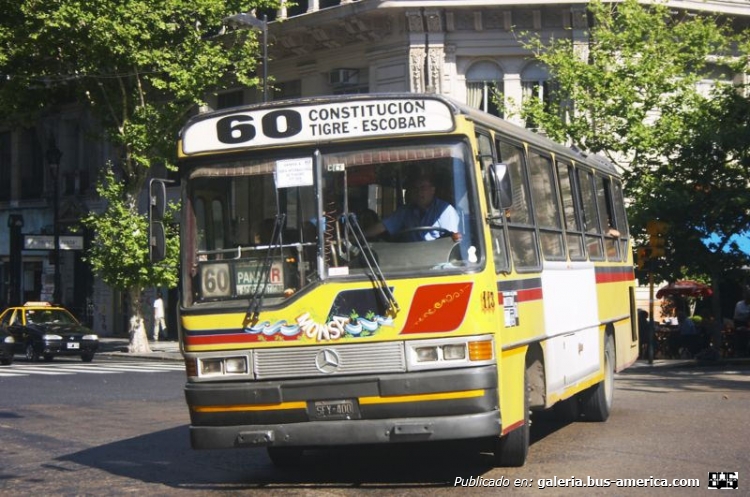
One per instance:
(163, 350)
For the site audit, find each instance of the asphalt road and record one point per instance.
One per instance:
(126, 433)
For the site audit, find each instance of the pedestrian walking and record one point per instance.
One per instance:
(160, 324)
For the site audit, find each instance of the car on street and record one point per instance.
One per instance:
(41, 329)
(6, 348)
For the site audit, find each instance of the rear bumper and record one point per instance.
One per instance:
(435, 405)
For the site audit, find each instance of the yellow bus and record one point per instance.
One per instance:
(376, 269)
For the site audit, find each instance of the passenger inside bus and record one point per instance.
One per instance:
(422, 210)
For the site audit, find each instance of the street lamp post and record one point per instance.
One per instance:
(53, 161)
(249, 21)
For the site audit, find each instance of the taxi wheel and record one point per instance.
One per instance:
(31, 354)
(6, 362)
(48, 357)
(87, 357)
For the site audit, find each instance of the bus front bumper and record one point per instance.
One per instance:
(411, 407)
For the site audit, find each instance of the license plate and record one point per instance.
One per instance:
(73, 345)
(323, 410)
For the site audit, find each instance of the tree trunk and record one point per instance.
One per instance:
(138, 337)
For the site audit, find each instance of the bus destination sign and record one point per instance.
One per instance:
(311, 123)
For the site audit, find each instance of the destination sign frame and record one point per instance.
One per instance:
(316, 122)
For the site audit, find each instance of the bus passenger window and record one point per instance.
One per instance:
(546, 208)
(606, 211)
(591, 218)
(571, 213)
(521, 230)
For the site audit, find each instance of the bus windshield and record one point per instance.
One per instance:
(275, 225)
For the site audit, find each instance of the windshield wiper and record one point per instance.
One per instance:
(378, 278)
(263, 271)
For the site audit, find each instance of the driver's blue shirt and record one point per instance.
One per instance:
(439, 214)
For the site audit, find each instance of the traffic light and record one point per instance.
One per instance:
(657, 238)
(643, 254)
(157, 201)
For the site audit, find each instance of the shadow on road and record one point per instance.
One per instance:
(166, 458)
(684, 379)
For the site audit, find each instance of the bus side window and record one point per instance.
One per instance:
(607, 218)
(497, 229)
(591, 224)
(571, 212)
(521, 230)
(621, 218)
(546, 207)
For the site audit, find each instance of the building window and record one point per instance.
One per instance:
(5, 164)
(484, 87)
(230, 99)
(32, 165)
(537, 84)
(287, 89)
(349, 81)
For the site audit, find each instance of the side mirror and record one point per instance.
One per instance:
(501, 191)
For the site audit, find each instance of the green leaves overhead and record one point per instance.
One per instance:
(653, 89)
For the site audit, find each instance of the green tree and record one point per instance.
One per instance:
(141, 67)
(630, 93)
(122, 236)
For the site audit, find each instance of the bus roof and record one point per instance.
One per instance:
(333, 117)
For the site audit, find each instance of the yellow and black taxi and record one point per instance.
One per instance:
(41, 329)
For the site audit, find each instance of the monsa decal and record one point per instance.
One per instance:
(335, 328)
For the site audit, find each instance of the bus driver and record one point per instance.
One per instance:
(422, 210)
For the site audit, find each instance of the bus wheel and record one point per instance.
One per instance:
(285, 457)
(511, 449)
(596, 402)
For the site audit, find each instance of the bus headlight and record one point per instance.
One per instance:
(221, 366)
(235, 365)
(455, 352)
(210, 367)
(426, 354)
(446, 353)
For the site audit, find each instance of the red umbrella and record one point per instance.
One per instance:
(685, 288)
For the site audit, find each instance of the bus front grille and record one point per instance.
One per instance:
(330, 360)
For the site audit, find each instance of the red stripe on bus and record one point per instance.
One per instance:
(512, 427)
(614, 277)
(529, 294)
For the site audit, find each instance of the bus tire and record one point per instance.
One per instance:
(285, 457)
(512, 448)
(596, 402)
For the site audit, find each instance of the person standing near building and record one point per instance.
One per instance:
(159, 322)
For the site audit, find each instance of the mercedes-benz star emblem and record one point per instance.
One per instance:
(327, 361)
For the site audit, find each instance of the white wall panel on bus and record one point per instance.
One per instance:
(570, 317)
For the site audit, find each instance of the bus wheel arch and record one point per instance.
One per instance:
(596, 401)
(536, 377)
(512, 449)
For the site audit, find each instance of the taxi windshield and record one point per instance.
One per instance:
(42, 316)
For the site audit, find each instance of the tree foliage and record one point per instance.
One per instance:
(141, 67)
(631, 93)
(122, 236)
